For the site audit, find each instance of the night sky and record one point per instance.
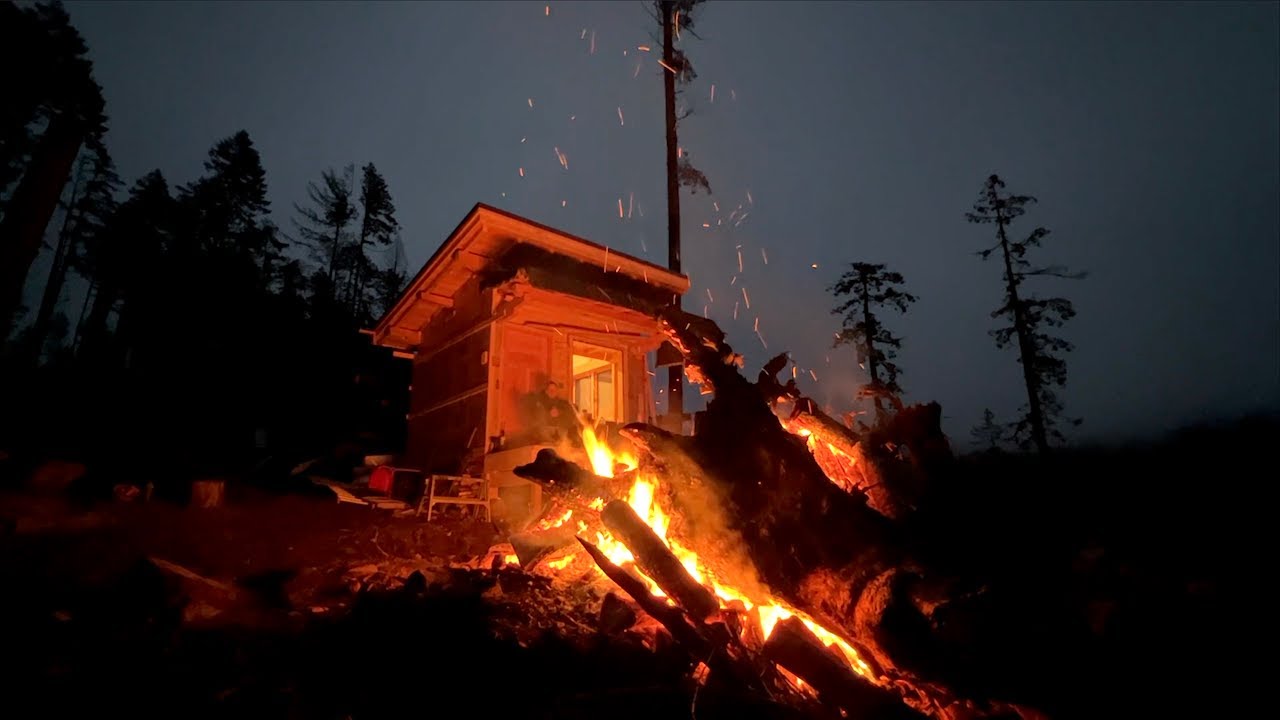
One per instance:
(848, 132)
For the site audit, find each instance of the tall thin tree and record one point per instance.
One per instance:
(675, 17)
(378, 228)
(323, 226)
(1029, 316)
(869, 289)
(90, 201)
(988, 434)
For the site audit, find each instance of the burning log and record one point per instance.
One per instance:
(548, 468)
(670, 616)
(793, 647)
(656, 560)
(532, 546)
(818, 548)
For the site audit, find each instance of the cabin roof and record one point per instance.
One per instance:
(482, 237)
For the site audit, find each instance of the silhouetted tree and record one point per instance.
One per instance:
(1029, 316)
(378, 228)
(226, 211)
(870, 288)
(988, 434)
(675, 17)
(323, 227)
(90, 201)
(125, 260)
(51, 107)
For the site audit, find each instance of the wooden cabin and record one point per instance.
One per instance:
(505, 306)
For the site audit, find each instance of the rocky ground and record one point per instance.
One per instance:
(299, 607)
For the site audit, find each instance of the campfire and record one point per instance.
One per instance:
(639, 506)
(764, 545)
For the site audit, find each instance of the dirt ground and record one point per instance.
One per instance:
(288, 606)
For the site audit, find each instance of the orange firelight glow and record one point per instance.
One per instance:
(644, 498)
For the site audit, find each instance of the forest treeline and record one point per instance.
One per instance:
(177, 322)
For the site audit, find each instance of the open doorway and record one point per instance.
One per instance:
(597, 382)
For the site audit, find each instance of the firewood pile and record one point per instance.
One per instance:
(770, 547)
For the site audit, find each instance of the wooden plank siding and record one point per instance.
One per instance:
(449, 401)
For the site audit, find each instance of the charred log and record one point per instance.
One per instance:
(656, 560)
(548, 468)
(671, 617)
(531, 547)
(795, 648)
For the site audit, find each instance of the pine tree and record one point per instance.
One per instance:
(323, 227)
(229, 207)
(870, 288)
(90, 201)
(124, 261)
(1029, 316)
(988, 434)
(52, 106)
(378, 228)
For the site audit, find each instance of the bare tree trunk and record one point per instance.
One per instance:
(675, 373)
(1026, 350)
(30, 208)
(869, 328)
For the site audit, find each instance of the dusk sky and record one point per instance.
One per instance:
(845, 131)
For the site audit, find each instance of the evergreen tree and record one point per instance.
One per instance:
(90, 201)
(125, 262)
(52, 106)
(323, 227)
(988, 434)
(870, 288)
(1030, 317)
(378, 228)
(227, 210)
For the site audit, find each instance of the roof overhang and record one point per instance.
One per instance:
(479, 240)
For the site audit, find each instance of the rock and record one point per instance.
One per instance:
(196, 612)
(125, 492)
(363, 571)
(55, 476)
(416, 582)
(616, 615)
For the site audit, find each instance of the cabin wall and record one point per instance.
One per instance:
(448, 398)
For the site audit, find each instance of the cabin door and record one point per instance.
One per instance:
(524, 368)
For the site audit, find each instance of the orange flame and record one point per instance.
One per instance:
(643, 498)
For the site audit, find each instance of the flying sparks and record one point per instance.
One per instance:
(709, 295)
(631, 203)
(521, 172)
(713, 92)
(620, 208)
(765, 256)
(746, 298)
(668, 67)
(642, 48)
(530, 102)
(620, 120)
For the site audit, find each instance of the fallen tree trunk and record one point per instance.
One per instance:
(823, 550)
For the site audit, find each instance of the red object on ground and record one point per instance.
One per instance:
(381, 479)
